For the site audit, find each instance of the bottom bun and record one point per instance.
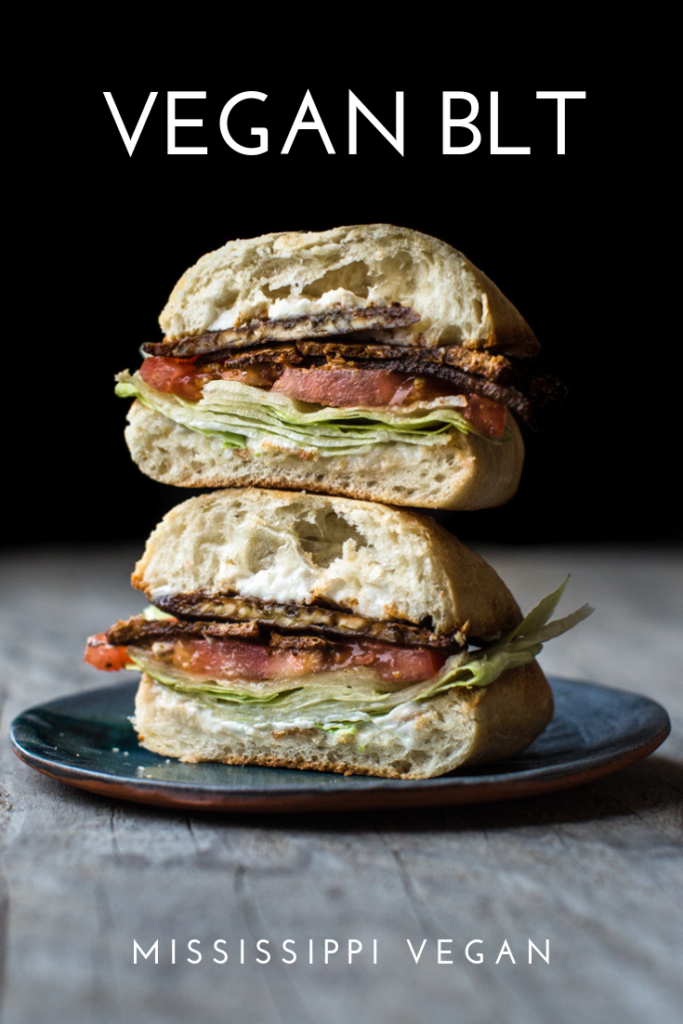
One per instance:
(480, 724)
(468, 473)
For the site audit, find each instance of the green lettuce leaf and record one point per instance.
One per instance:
(151, 612)
(350, 728)
(517, 647)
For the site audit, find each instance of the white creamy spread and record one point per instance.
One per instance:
(289, 579)
(293, 305)
(371, 599)
(299, 305)
(401, 721)
(224, 320)
(214, 722)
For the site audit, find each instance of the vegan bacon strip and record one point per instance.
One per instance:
(138, 630)
(298, 618)
(306, 325)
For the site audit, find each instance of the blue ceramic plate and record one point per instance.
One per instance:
(87, 741)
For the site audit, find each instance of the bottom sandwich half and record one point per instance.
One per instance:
(307, 631)
(414, 740)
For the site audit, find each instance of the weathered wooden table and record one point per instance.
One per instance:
(596, 871)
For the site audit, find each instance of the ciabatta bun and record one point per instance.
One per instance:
(467, 473)
(476, 725)
(290, 548)
(362, 266)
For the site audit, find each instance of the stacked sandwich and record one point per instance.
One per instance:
(328, 630)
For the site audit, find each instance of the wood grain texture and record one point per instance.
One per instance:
(596, 870)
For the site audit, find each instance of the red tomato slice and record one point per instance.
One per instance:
(106, 656)
(171, 376)
(181, 377)
(230, 659)
(347, 387)
(408, 664)
(485, 415)
(343, 387)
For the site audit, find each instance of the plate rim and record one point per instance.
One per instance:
(380, 792)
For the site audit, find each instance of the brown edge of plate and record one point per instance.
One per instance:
(427, 793)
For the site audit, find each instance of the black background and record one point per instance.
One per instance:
(567, 238)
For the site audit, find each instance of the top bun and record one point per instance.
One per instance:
(286, 275)
(357, 556)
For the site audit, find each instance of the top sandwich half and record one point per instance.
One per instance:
(405, 287)
(369, 361)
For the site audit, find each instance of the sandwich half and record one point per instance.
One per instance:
(372, 361)
(326, 633)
